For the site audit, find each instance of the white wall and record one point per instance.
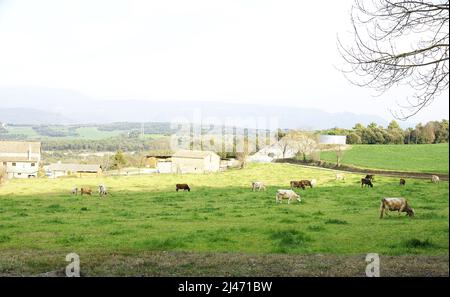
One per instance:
(22, 169)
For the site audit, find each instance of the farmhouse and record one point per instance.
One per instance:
(187, 161)
(58, 170)
(21, 159)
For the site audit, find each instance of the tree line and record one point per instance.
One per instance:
(431, 132)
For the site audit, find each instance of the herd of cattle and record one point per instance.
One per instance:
(102, 191)
(392, 204)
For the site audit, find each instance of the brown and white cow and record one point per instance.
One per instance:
(395, 204)
(86, 191)
(297, 184)
(287, 194)
(306, 183)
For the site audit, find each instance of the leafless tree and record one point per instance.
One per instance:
(400, 42)
(242, 158)
(3, 174)
(339, 151)
(287, 143)
(305, 143)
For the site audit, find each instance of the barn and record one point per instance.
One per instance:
(20, 158)
(154, 159)
(59, 169)
(191, 161)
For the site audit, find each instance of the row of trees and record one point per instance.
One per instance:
(49, 131)
(104, 145)
(431, 132)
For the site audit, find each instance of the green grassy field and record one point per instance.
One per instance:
(23, 130)
(430, 158)
(95, 134)
(92, 133)
(222, 214)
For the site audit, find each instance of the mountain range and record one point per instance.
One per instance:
(35, 105)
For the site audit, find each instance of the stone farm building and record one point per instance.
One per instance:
(59, 169)
(161, 162)
(20, 158)
(187, 161)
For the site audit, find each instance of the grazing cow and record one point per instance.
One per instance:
(395, 204)
(257, 185)
(371, 177)
(313, 182)
(297, 184)
(340, 176)
(306, 183)
(366, 182)
(86, 191)
(435, 179)
(402, 182)
(75, 191)
(102, 191)
(286, 194)
(183, 187)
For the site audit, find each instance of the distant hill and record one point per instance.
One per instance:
(44, 106)
(31, 116)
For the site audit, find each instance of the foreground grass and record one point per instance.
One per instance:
(427, 158)
(220, 215)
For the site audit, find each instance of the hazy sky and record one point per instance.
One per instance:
(266, 52)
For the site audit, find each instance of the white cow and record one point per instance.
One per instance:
(286, 194)
(313, 182)
(257, 185)
(435, 179)
(102, 190)
(75, 191)
(340, 176)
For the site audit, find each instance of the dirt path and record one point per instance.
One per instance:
(345, 168)
(15, 263)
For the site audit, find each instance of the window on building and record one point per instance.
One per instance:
(33, 164)
(14, 164)
(4, 163)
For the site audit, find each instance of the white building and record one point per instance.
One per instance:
(269, 153)
(20, 158)
(187, 161)
(59, 169)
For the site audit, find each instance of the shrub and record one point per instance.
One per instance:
(336, 222)
(415, 243)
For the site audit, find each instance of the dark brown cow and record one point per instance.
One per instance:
(370, 176)
(307, 183)
(86, 191)
(402, 182)
(366, 182)
(297, 184)
(183, 187)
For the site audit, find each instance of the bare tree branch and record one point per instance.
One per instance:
(400, 43)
